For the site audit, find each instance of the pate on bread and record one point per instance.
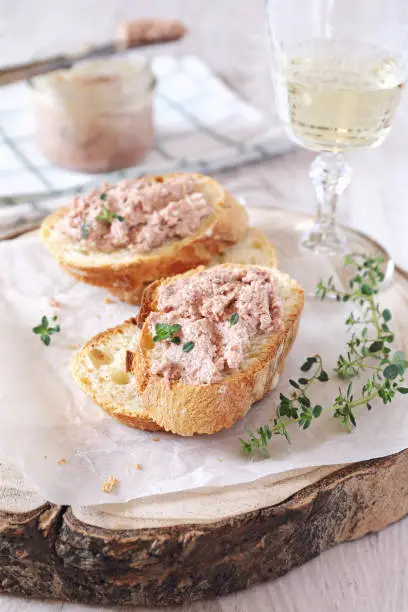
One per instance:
(124, 237)
(243, 320)
(103, 367)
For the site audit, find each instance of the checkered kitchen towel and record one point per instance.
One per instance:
(201, 125)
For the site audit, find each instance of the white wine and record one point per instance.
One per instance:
(333, 96)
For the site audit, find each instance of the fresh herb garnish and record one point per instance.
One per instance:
(107, 216)
(188, 346)
(84, 230)
(234, 318)
(166, 332)
(369, 348)
(45, 330)
(103, 196)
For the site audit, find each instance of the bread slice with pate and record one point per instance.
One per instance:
(213, 342)
(124, 237)
(103, 367)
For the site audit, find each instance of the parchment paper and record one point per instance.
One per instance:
(44, 418)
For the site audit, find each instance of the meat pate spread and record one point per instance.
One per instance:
(142, 214)
(208, 320)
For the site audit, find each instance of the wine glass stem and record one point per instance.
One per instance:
(330, 175)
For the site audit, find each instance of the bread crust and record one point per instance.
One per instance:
(128, 278)
(205, 409)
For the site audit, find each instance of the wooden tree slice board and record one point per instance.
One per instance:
(187, 546)
(48, 551)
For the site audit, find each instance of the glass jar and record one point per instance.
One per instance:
(96, 116)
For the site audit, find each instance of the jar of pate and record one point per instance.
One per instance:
(96, 116)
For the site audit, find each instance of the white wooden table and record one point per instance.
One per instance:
(370, 574)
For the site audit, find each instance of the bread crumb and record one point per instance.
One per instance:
(137, 466)
(109, 301)
(61, 461)
(74, 346)
(54, 303)
(110, 483)
(156, 439)
(45, 456)
(98, 316)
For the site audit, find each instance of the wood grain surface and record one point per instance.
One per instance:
(48, 552)
(370, 574)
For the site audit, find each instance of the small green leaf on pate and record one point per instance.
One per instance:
(234, 318)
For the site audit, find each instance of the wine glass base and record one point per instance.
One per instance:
(287, 229)
(323, 241)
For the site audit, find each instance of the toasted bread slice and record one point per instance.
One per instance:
(187, 409)
(253, 248)
(126, 273)
(103, 370)
(99, 368)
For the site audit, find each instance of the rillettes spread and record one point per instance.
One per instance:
(142, 214)
(211, 318)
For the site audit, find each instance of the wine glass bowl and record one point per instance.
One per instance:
(338, 71)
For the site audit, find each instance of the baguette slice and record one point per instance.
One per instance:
(187, 409)
(102, 369)
(125, 273)
(99, 367)
(253, 248)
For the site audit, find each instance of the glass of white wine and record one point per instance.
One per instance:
(338, 72)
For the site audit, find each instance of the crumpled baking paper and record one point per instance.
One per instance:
(67, 447)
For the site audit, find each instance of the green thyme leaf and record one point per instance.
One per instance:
(103, 196)
(188, 346)
(386, 315)
(107, 216)
(294, 384)
(176, 340)
(376, 346)
(163, 331)
(317, 411)
(234, 318)
(391, 371)
(366, 289)
(45, 330)
(308, 364)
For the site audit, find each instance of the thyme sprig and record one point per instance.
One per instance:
(369, 348)
(45, 329)
(167, 332)
(107, 216)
